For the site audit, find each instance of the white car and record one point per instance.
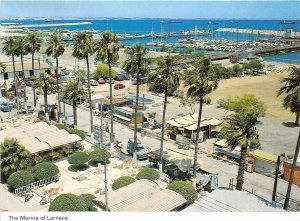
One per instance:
(94, 83)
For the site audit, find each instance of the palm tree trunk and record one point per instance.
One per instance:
(197, 137)
(22, 64)
(89, 88)
(136, 109)
(58, 92)
(32, 64)
(14, 70)
(297, 119)
(111, 104)
(75, 112)
(163, 126)
(242, 167)
(288, 192)
(46, 99)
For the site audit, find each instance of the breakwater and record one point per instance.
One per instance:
(292, 33)
(45, 25)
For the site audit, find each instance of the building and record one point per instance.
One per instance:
(287, 165)
(8, 74)
(264, 162)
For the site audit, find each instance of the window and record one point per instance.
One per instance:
(21, 75)
(31, 73)
(5, 76)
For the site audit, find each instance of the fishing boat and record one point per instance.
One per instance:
(288, 22)
(212, 23)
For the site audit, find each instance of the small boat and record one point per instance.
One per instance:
(212, 23)
(234, 21)
(48, 20)
(288, 22)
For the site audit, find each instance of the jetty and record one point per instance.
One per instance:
(277, 50)
(18, 26)
(288, 33)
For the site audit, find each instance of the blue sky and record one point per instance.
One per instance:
(235, 9)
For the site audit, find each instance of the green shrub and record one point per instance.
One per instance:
(97, 155)
(44, 170)
(88, 199)
(122, 181)
(185, 189)
(148, 173)
(68, 202)
(19, 179)
(80, 133)
(78, 158)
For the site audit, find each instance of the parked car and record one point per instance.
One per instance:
(140, 151)
(234, 60)
(118, 77)
(125, 76)
(107, 81)
(6, 107)
(94, 83)
(101, 81)
(119, 86)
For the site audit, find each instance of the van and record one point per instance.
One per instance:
(141, 153)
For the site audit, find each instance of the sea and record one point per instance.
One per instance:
(145, 26)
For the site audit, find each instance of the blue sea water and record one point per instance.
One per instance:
(144, 26)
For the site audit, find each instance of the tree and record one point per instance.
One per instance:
(167, 79)
(237, 69)
(46, 83)
(88, 199)
(44, 170)
(107, 51)
(122, 181)
(243, 123)
(33, 43)
(100, 156)
(253, 65)
(9, 48)
(19, 179)
(83, 48)
(73, 91)
(102, 70)
(14, 156)
(292, 90)
(148, 173)
(136, 65)
(189, 102)
(201, 81)
(68, 202)
(80, 75)
(78, 158)
(185, 189)
(56, 48)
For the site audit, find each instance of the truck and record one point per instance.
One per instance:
(140, 151)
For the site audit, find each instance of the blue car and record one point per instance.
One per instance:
(6, 107)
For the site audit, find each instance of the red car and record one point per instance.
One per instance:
(119, 86)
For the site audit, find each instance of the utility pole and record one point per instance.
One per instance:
(276, 179)
(288, 193)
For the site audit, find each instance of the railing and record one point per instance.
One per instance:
(294, 205)
(232, 186)
(37, 184)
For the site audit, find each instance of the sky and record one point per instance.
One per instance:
(220, 9)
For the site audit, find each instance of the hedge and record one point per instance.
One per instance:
(88, 199)
(185, 189)
(44, 170)
(78, 158)
(19, 179)
(148, 173)
(122, 181)
(68, 202)
(97, 155)
(78, 132)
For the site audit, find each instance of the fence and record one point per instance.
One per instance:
(37, 184)
(294, 205)
(232, 186)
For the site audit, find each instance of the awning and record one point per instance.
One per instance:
(220, 150)
(263, 155)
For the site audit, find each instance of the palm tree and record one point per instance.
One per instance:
(201, 81)
(9, 48)
(33, 42)
(107, 51)
(292, 89)
(56, 48)
(242, 130)
(46, 83)
(136, 65)
(83, 48)
(14, 157)
(166, 80)
(73, 91)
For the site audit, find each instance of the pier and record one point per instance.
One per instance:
(261, 32)
(277, 50)
(44, 25)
